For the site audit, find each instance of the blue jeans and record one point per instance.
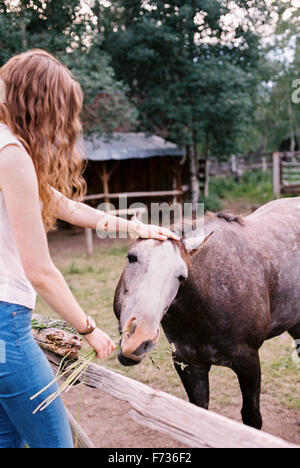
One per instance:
(24, 370)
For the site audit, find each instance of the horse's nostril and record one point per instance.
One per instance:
(148, 344)
(126, 361)
(144, 347)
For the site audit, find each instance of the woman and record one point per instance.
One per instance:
(40, 171)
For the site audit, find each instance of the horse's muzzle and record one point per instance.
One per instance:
(125, 361)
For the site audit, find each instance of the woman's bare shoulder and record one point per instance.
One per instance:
(16, 164)
(12, 155)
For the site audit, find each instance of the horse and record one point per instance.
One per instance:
(217, 296)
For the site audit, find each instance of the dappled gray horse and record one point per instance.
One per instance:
(218, 297)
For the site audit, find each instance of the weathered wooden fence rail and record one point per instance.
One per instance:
(187, 423)
(237, 164)
(234, 165)
(286, 173)
(183, 421)
(285, 167)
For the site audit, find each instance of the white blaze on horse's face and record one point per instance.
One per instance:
(148, 286)
(150, 282)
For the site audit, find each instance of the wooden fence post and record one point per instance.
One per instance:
(276, 174)
(89, 241)
(264, 164)
(206, 185)
(233, 164)
(81, 440)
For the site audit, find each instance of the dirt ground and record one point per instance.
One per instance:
(106, 419)
(107, 423)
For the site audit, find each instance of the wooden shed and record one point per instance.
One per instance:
(144, 168)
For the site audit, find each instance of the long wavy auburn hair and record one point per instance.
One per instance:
(42, 107)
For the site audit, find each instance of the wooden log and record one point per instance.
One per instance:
(177, 418)
(52, 335)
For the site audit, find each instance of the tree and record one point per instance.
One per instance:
(190, 73)
(278, 115)
(68, 32)
(106, 108)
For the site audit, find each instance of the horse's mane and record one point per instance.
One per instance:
(187, 228)
(231, 218)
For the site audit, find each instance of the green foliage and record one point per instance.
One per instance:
(106, 105)
(51, 25)
(255, 187)
(184, 76)
(67, 31)
(212, 203)
(277, 118)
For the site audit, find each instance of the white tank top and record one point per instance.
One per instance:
(14, 285)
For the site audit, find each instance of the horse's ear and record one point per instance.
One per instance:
(194, 244)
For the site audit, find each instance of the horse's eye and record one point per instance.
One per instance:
(132, 258)
(182, 278)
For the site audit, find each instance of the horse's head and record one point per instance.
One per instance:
(149, 284)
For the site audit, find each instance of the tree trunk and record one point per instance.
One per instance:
(206, 155)
(24, 34)
(194, 182)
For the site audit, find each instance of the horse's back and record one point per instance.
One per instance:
(285, 209)
(274, 230)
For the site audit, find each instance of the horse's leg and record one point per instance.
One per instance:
(247, 368)
(196, 383)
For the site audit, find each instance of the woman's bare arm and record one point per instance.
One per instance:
(83, 215)
(18, 182)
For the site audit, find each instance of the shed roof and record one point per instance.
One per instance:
(129, 146)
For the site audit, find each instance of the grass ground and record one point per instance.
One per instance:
(93, 281)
